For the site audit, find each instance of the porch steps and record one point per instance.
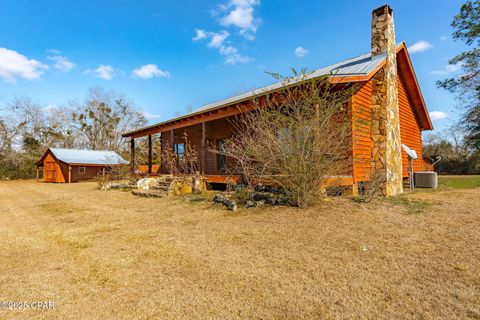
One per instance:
(159, 190)
(161, 187)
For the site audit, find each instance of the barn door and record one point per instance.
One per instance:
(50, 175)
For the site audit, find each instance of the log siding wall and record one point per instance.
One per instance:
(361, 131)
(361, 143)
(410, 132)
(215, 130)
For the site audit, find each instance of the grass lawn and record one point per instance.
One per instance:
(110, 255)
(458, 182)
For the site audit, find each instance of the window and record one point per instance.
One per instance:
(221, 156)
(81, 170)
(180, 150)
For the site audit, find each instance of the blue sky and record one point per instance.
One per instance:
(172, 56)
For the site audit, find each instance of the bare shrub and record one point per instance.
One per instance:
(184, 162)
(114, 173)
(297, 138)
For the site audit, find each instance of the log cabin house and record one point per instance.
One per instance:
(73, 165)
(387, 86)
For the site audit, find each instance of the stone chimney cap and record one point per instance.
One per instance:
(382, 10)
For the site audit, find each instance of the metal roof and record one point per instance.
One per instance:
(78, 156)
(358, 66)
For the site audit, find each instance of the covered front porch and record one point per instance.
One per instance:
(205, 134)
(204, 138)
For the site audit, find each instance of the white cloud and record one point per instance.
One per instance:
(241, 15)
(444, 38)
(438, 115)
(14, 64)
(149, 115)
(149, 71)
(200, 34)
(217, 38)
(61, 63)
(105, 72)
(237, 58)
(420, 46)
(449, 68)
(226, 51)
(54, 51)
(301, 52)
(238, 14)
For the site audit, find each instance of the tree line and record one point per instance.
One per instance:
(459, 146)
(28, 128)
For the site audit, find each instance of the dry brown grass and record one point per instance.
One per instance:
(109, 255)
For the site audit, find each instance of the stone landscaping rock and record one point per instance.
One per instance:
(116, 185)
(150, 193)
(146, 183)
(169, 185)
(230, 204)
(269, 198)
(250, 204)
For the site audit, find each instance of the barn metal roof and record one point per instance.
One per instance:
(78, 156)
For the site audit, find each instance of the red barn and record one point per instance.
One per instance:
(73, 165)
(387, 86)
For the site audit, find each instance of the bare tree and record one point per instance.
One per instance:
(27, 128)
(104, 116)
(10, 129)
(20, 126)
(296, 138)
(43, 126)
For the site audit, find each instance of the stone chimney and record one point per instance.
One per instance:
(386, 150)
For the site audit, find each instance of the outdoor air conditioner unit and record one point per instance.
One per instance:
(426, 179)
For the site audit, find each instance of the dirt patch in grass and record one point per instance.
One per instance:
(408, 205)
(112, 255)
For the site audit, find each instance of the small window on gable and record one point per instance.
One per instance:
(81, 170)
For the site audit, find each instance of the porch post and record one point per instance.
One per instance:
(132, 154)
(203, 153)
(69, 174)
(171, 139)
(149, 154)
(37, 173)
